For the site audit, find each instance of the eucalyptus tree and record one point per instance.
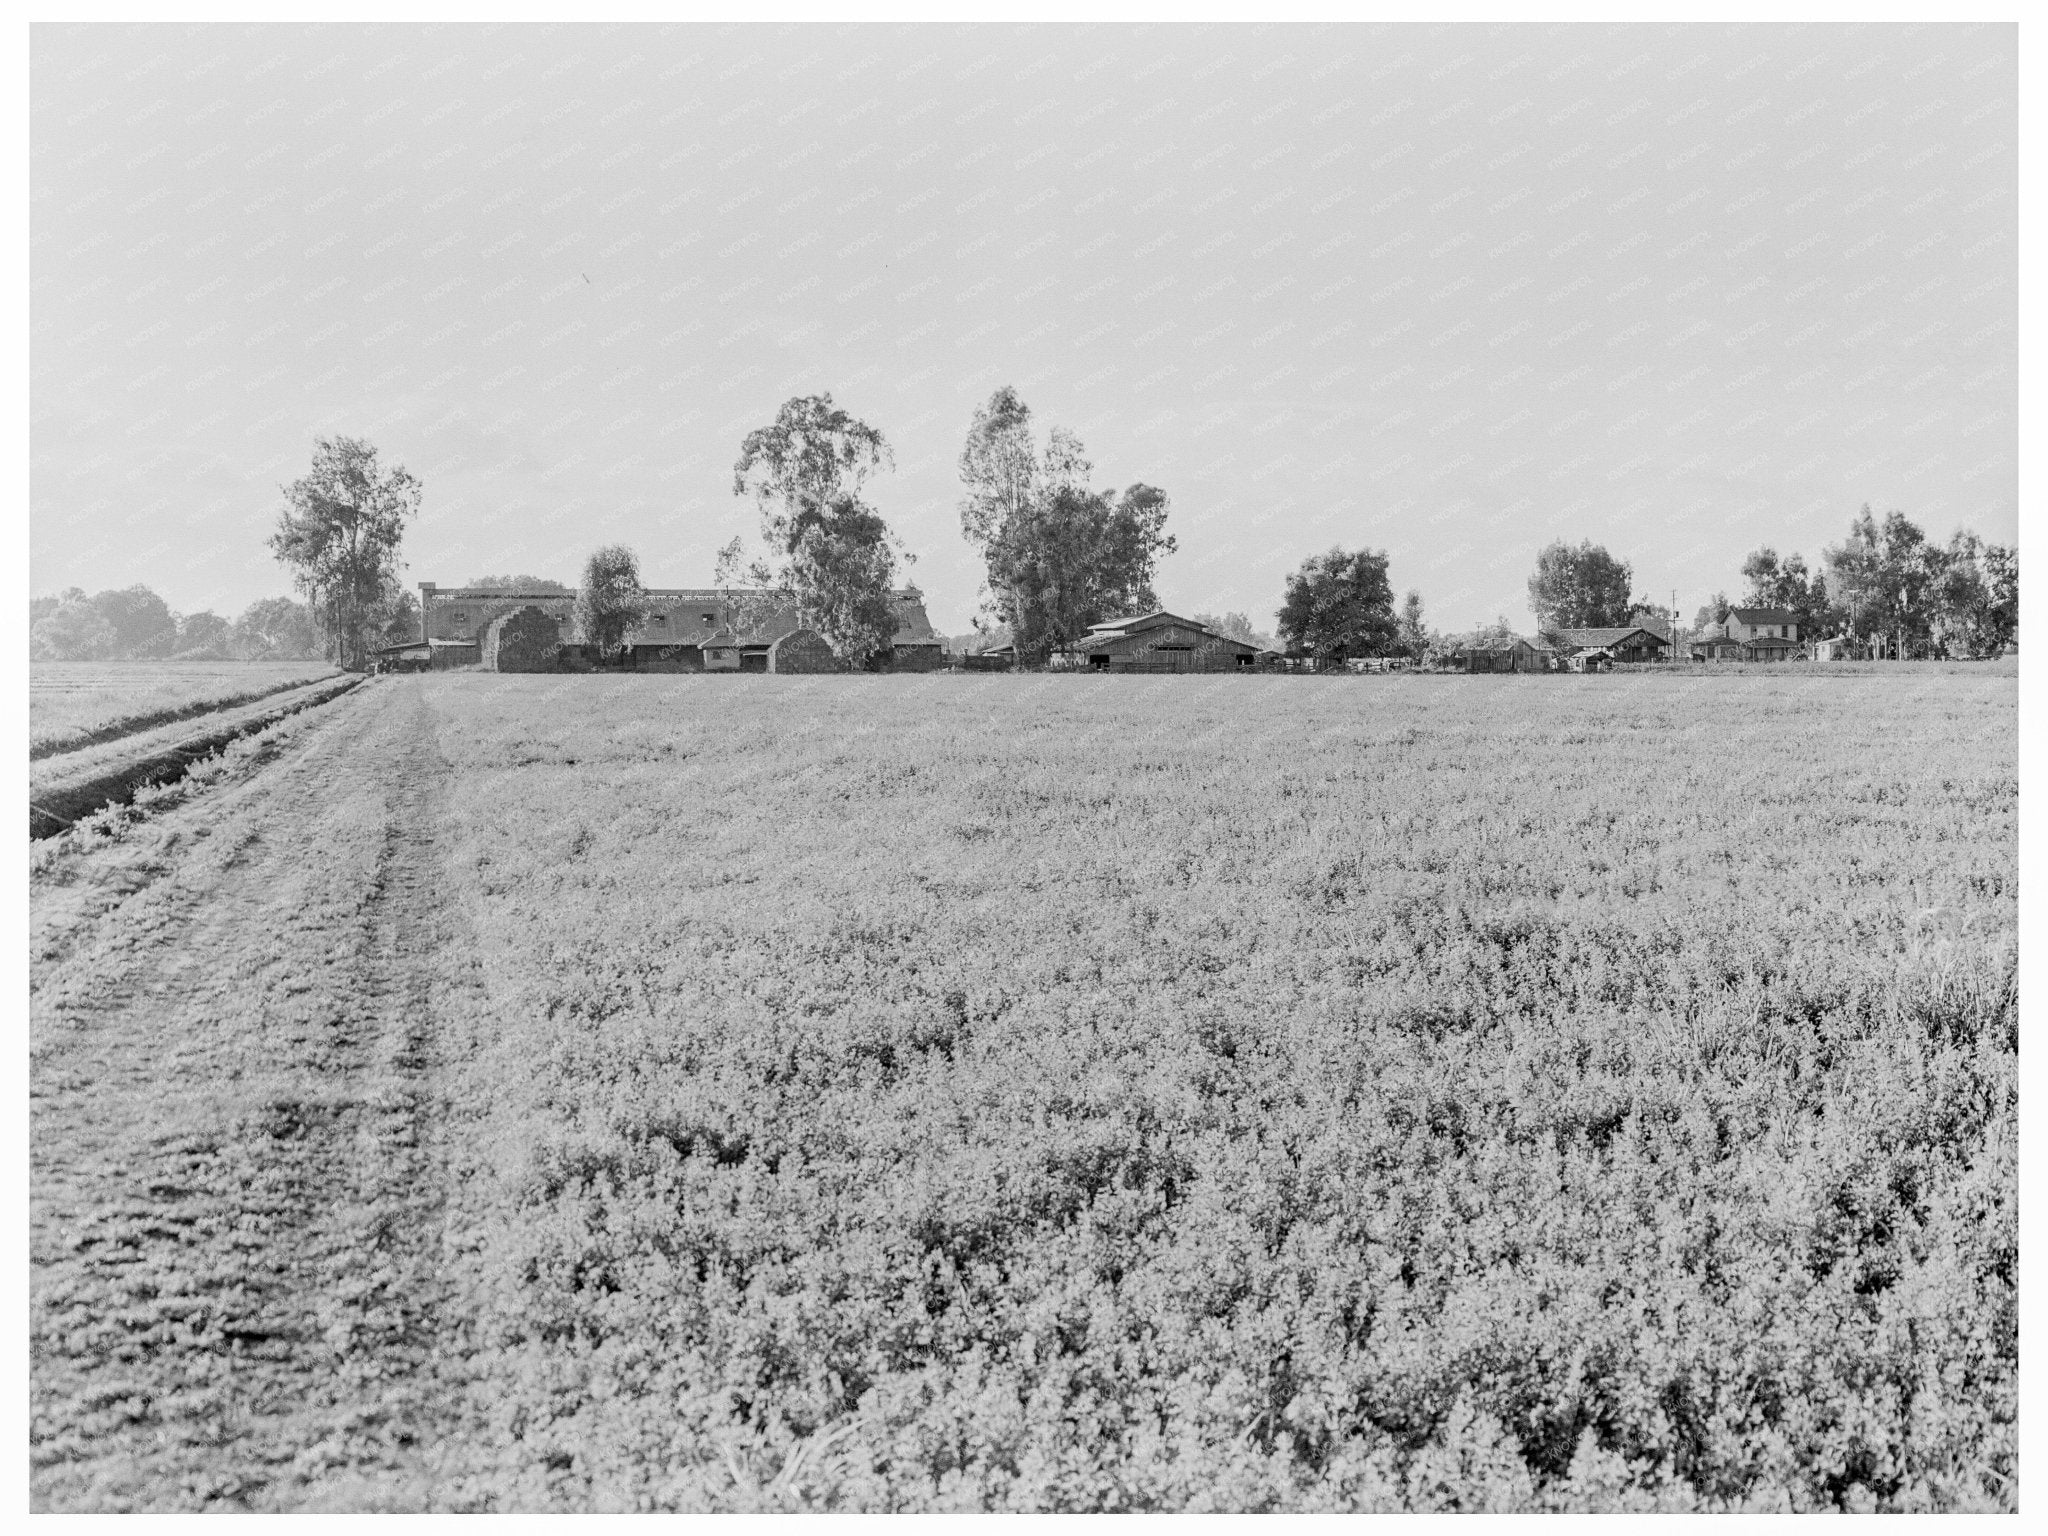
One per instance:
(339, 533)
(825, 545)
(1060, 554)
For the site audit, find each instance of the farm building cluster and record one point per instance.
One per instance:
(1747, 634)
(682, 629)
(696, 629)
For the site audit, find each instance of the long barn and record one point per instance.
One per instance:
(686, 629)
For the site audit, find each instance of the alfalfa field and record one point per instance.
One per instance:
(1059, 1093)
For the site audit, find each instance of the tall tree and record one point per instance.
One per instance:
(276, 628)
(1582, 588)
(143, 624)
(1497, 636)
(1974, 598)
(1959, 599)
(40, 608)
(843, 573)
(1882, 577)
(73, 631)
(1076, 557)
(396, 616)
(610, 601)
(1764, 579)
(1414, 632)
(204, 636)
(831, 550)
(999, 467)
(339, 532)
(1714, 610)
(1060, 556)
(2002, 588)
(1340, 605)
(1238, 626)
(1789, 585)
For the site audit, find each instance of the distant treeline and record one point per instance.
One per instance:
(134, 624)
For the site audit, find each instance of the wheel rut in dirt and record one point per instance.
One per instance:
(239, 1147)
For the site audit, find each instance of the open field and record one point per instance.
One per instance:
(66, 786)
(1057, 1093)
(74, 704)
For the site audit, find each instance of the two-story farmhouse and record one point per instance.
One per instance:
(1750, 634)
(684, 629)
(1763, 624)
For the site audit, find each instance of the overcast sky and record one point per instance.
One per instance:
(1450, 292)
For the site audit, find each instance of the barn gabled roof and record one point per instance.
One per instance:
(1150, 620)
(1102, 636)
(913, 627)
(1157, 618)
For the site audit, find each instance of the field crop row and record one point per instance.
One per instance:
(1444, 1093)
(74, 704)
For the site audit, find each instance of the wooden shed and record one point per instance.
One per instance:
(1519, 657)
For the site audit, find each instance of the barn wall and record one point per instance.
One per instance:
(668, 658)
(1204, 652)
(524, 640)
(803, 650)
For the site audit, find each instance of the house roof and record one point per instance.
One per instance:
(1597, 639)
(1763, 615)
(780, 616)
(1489, 650)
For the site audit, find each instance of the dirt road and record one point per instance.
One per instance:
(241, 1153)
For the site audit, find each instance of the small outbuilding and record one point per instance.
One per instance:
(417, 657)
(1521, 656)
